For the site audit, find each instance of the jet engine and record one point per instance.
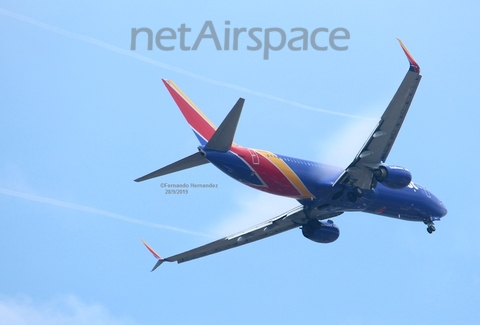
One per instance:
(393, 176)
(321, 232)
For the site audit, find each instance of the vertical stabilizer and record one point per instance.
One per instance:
(201, 125)
(222, 139)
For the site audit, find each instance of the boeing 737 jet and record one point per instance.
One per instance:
(367, 184)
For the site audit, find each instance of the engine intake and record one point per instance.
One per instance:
(395, 177)
(321, 232)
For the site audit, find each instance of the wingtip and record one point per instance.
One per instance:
(155, 254)
(159, 262)
(413, 64)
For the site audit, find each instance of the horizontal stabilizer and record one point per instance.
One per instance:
(223, 137)
(188, 162)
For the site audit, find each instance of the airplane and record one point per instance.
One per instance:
(367, 184)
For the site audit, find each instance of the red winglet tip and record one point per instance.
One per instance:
(166, 82)
(413, 64)
(158, 257)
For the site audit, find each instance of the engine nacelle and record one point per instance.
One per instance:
(395, 177)
(321, 232)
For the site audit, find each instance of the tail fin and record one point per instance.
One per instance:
(201, 125)
(220, 139)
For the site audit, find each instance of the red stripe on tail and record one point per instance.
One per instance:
(158, 257)
(197, 120)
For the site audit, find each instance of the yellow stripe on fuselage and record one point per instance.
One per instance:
(288, 172)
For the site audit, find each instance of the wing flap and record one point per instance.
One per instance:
(384, 135)
(287, 221)
(291, 219)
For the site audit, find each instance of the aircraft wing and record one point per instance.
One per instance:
(289, 220)
(378, 145)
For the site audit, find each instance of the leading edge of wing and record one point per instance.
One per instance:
(378, 145)
(291, 219)
(284, 222)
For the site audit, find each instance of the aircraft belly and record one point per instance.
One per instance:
(406, 204)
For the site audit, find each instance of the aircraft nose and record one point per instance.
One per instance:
(442, 209)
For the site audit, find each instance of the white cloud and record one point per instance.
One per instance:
(252, 209)
(63, 310)
(340, 148)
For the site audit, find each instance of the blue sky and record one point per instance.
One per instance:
(83, 115)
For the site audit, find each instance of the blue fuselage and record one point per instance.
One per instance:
(311, 184)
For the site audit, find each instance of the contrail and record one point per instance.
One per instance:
(167, 66)
(72, 206)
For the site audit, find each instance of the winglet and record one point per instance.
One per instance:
(158, 257)
(413, 64)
